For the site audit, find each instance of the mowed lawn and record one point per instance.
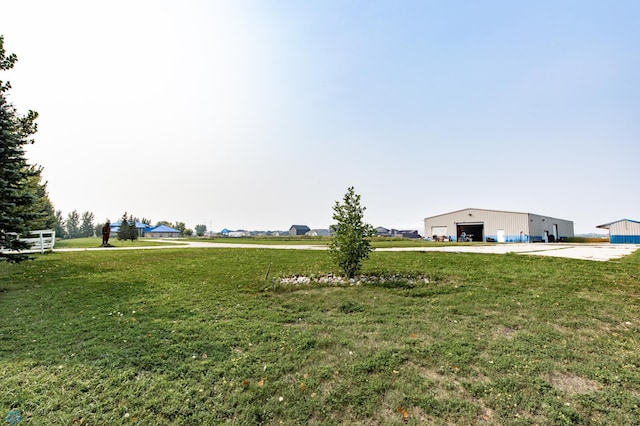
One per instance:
(199, 336)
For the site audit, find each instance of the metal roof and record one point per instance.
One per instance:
(138, 224)
(607, 225)
(489, 210)
(163, 228)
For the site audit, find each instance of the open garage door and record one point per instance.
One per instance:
(470, 231)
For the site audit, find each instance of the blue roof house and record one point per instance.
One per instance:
(163, 231)
(142, 228)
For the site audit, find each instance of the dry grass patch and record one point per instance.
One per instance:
(573, 384)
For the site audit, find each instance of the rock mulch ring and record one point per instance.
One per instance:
(331, 279)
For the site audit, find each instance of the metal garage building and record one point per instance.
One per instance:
(499, 226)
(624, 231)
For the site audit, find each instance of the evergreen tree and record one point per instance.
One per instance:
(44, 213)
(73, 225)
(60, 225)
(16, 200)
(128, 229)
(133, 231)
(123, 232)
(86, 225)
(350, 244)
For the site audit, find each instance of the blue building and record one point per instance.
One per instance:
(623, 231)
(163, 231)
(141, 227)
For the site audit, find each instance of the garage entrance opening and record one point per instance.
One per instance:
(470, 232)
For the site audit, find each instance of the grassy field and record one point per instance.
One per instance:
(190, 336)
(94, 242)
(378, 242)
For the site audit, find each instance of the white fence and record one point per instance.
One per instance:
(40, 241)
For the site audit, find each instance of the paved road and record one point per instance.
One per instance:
(601, 252)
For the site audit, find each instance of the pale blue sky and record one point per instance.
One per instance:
(260, 114)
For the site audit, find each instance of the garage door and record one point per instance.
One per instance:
(439, 231)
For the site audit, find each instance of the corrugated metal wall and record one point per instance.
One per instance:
(514, 225)
(500, 225)
(624, 232)
(539, 224)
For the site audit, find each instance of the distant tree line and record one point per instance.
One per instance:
(76, 225)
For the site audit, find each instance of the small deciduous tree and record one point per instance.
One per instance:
(97, 228)
(180, 226)
(350, 244)
(200, 230)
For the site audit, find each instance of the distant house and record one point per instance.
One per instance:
(408, 233)
(383, 232)
(318, 233)
(299, 230)
(142, 228)
(235, 234)
(163, 231)
(623, 231)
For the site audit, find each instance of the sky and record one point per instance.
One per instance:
(260, 114)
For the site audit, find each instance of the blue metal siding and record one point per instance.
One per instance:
(625, 239)
(510, 238)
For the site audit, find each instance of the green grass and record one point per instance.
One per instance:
(266, 240)
(377, 242)
(93, 242)
(200, 337)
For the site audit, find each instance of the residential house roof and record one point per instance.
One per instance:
(138, 225)
(163, 228)
(300, 229)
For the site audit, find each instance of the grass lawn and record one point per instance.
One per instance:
(191, 336)
(377, 242)
(289, 241)
(94, 242)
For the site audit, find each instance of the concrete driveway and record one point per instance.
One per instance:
(600, 252)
